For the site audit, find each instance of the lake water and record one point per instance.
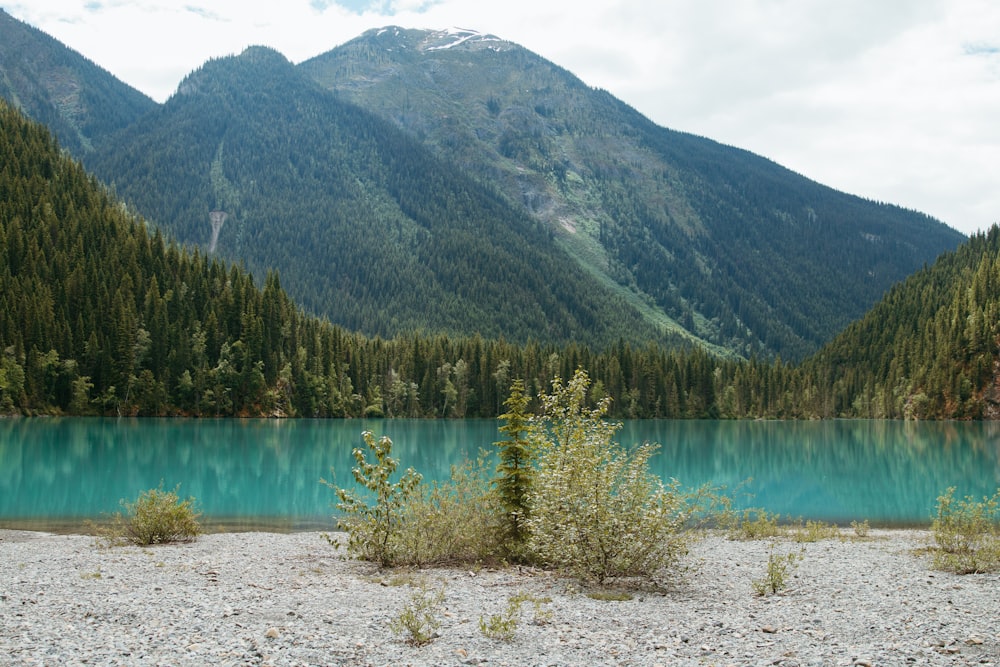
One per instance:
(56, 473)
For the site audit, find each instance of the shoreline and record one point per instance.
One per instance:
(254, 598)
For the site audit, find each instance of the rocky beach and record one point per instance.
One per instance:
(291, 599)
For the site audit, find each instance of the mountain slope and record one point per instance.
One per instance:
(928, 350)
(732, 246)
(76, 99)
(366, 227)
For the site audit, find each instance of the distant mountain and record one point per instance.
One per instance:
(451, 182)
(364, 224)
(76, 99)
(737, 249)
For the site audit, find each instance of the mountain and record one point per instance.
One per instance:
(451, 182)
(365, 225)
(737, 249)
(76, 99)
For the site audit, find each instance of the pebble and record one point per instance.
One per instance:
(290, 599)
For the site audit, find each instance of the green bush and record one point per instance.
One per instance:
(755, 524)
(418, 620)
(967, 534)
(373, 531)
(779, 568)
(458, 521)
(155, 517)
(596, 510)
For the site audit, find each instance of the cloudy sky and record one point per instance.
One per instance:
(893, 100)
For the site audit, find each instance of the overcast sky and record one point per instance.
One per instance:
(893, 100)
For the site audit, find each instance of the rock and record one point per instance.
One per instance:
(272, 633)
(769, 630)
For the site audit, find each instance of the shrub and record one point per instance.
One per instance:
(596, 510)
(457, 521)
(418, 620)
(374, 530)
(503, 626)
(967, 534)
(814, 531)
(779, 567)
(155, 517)
(755, 524)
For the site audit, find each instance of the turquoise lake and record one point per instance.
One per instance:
(55, 473)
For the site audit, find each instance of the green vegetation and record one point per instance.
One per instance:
(596, 510)
(814, 531)
(779, 569)
(967, 534)
(515, 469)
(155, 517)
(755, 524)
(374, 531)
(418, 621)
(503, 626)
(610, 596)
(593, 510)
(99, 316)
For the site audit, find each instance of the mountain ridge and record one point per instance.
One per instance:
(673, 237)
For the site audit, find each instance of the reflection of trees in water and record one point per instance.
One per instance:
(876, 470)
(885, 471)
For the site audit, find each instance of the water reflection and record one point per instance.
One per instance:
(252, 472)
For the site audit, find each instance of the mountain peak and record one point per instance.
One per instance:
(437, 40)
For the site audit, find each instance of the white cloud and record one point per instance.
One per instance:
(892, 101)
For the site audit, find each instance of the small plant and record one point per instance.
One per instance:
(967, 534)
(373, 530)
(155, 517)
(418, 620)
(814, 531)
(610, 596)
(503, 626)
(756, 524)
(779, 568)
(861, 530)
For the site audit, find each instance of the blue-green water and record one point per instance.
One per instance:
(55, 473)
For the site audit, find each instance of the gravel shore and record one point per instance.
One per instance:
(290, 599)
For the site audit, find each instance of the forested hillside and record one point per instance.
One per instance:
(100, 315)
(76, 99)
(366, 227)
(733, 247)
(929, 349)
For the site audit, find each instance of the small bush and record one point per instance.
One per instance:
(814, 531)
(779, 568)
(418, 620)
(503, 626)
(373, 531)
(756, 524)
(967, 534)
(155, 517)
(457, 521)
(861, 530)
